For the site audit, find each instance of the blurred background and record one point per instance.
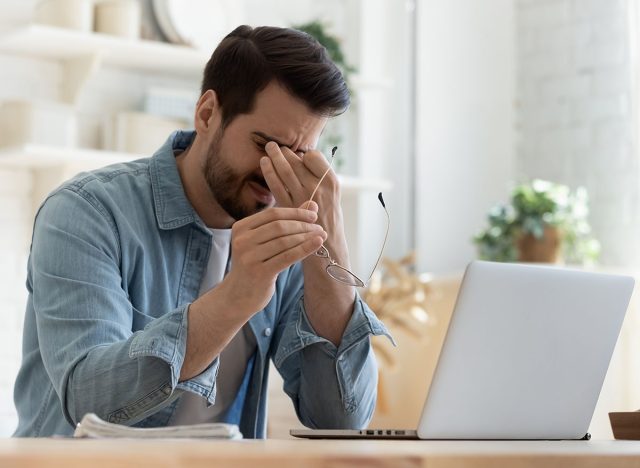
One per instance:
(498, 129)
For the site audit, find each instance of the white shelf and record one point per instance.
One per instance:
(42, 157)
(64, 44)
(67, 45)
(82, 54)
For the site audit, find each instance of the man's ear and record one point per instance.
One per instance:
(208, 112)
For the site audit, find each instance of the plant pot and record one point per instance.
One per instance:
(543, 250)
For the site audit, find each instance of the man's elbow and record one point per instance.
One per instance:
(353, 415)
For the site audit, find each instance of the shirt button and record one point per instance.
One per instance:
(267, 332)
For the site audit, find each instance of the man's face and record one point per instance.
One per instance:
(232, 166)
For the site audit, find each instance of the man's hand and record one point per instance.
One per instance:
(263, 245)
(292, 179)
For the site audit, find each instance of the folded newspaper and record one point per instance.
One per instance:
(92, 426)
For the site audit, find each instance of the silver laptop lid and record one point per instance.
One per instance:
(525, 354)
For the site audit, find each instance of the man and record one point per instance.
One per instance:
(159, 289)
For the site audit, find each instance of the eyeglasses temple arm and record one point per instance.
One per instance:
(333, 152)
(386, 235)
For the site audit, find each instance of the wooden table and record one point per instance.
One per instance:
(70, 453)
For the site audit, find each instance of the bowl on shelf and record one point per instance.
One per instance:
(201, 24)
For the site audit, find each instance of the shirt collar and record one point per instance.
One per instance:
(173, 209)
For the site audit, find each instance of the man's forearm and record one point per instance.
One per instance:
(329, 392)
(264, 245)
(213, 320)
(328, 303)
(108, 380)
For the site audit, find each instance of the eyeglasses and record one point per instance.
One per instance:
(335, 270)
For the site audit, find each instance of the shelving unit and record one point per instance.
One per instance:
(63, 44)
(43, 157)
(83, 53)
(36, 157)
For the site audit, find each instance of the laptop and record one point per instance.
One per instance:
(524, 357)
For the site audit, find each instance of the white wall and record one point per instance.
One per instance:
(465, 123)
(576, 116)
(385, 143)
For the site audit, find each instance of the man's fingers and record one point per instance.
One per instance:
(310, 205)
(289, 257)
(315, 163)
(281, 228)
(276, 185)
(303, 174)
(309, 168)
(280, 245)
(283, 168)
(274, 214)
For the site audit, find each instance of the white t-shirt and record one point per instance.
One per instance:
(192, 408)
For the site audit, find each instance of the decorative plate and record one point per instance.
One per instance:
(198, 23)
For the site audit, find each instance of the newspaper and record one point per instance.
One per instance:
(92, 426)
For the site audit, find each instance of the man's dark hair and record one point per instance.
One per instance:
(248, 59)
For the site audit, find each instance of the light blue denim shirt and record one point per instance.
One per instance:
(117, 256)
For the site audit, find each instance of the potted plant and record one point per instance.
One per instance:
(543, 222)
(319, 31)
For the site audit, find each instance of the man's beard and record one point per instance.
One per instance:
(226, 186)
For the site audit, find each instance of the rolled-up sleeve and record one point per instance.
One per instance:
(331, 387)
(85, 320)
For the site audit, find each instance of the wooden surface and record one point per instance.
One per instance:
(70, 453)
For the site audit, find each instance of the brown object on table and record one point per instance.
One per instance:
(625, 425)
